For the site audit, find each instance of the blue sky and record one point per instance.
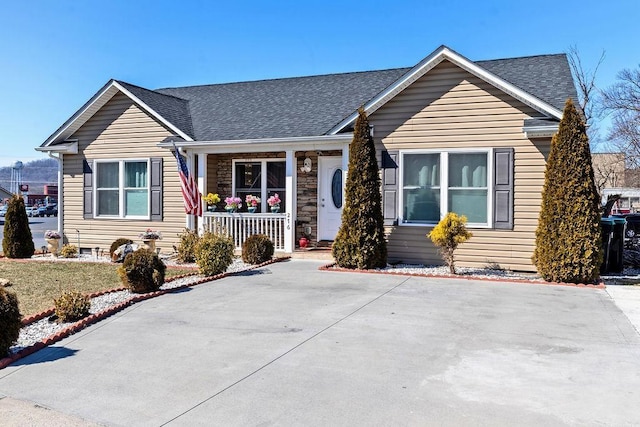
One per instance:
(57, 54)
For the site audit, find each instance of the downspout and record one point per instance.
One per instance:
(60, 193)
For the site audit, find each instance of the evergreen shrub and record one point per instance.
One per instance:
(17, 241)
(187, 245)
(448, 234)
(360, 242)
(257, 249)
(10, 320)
(568, 237)
(214, 253)
(69, 251)
(142, 271)
(72, 306)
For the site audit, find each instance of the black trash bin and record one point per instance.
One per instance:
(607, 234)
(616, 259)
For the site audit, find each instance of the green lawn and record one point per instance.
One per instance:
(37, 283)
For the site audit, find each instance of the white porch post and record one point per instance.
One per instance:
(191, 223)
(290, 204)
(202, 178)
(345, 168)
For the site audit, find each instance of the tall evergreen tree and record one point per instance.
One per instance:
(360, 243)
(17, 241)
(568, 238)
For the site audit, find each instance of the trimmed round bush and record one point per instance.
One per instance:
(117, 243)
(72, 306)
(142, 271)
(10, 320)
(214, 254)
(187, 245)
(257, 249)
(69, 251)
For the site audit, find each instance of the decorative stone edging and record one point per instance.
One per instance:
(94, 318)
(334, 267)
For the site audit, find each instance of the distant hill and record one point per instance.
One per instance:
(36, 174)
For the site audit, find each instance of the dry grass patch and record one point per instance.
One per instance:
(37, 283)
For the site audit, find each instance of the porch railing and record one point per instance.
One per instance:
(242, 225)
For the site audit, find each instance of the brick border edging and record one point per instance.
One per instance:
(333, 267)
(94, 318)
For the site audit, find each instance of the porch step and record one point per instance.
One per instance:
(322, 253)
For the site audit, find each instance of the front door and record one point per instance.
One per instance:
(330, 189)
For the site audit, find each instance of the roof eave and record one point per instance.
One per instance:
(69, 147)
(94, 104)
(428, 63)
(540, 131)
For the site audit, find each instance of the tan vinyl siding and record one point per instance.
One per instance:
(120, 130)
(449, 108)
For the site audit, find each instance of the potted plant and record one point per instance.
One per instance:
(252, 202)
(211, 200)
(274, 203)
(53, 241)
(232, 203)
(149, 238)
(304, 240)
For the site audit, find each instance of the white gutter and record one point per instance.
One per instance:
(70, 147)
(300, 143)
(540, 131)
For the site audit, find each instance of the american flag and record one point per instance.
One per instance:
(190, 194)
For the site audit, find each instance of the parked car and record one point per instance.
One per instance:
(31, 210)
(3, 210)
(632, 228)
(48, 210)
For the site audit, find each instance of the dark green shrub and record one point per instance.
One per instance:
(10, 320)
(448, 234)
(72, 306)
(142, 271)
(257, 249)
(187, 245)
(17, 241)
(360, 242)
(69, 251)
(568, 239)
(214, 253)
(117, 243)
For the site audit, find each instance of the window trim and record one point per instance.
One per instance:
(263, 182)
(121, 189)
(444, 184)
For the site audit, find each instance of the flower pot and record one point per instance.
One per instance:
(304, 242)
(275, 209)
(252, 209)
(230, 209)
(211, 208)
(52, 246)
(149, 244)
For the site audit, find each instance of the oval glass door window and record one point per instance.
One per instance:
(336, 188)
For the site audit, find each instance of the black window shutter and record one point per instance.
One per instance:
(390, 187)
(503, 188)
(87, 198)
(156, 189)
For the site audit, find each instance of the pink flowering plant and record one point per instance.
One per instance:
(233, 202)
(51, 234)
(150, 235)
(274, 200)
(252, 201)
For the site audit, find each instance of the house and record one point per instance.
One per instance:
(452, 135)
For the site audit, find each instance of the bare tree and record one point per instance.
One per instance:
(622, 101)
(587, 92)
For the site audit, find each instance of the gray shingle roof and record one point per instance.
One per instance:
(174, 110)
(311, 106)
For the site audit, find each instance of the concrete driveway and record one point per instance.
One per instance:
(290, 345)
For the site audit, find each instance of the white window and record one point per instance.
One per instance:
(262, 178)
(434, 183)
(122, 189)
